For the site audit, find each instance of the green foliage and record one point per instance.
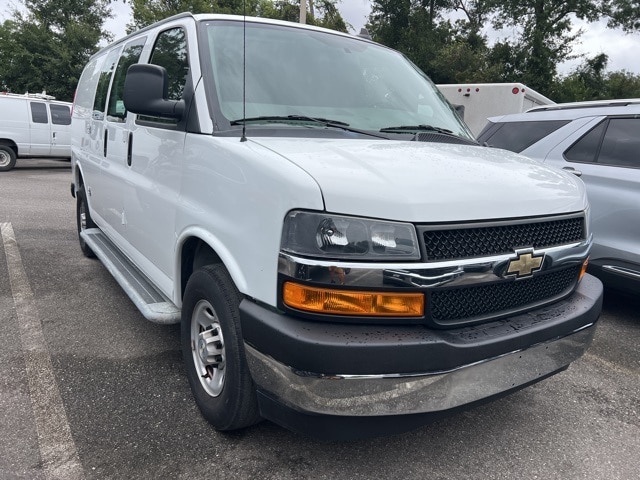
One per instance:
(546, 37)
(625, 14)
(325, 14)
(46, 47)
(590, 81)
(459, 53)
(448, 53)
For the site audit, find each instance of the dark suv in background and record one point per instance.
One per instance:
(599, 142)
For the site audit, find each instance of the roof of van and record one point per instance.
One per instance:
(32, 96)
(238, 18)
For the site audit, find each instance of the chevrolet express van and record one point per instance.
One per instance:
(343, 257)
(33, 125)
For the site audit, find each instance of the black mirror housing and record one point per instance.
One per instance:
(146, 89)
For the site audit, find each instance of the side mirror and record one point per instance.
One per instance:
(146, 89)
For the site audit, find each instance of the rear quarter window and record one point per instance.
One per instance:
(517, 136)
(615, 141)
(60, 114)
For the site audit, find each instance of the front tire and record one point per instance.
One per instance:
(83, 221)
(7, 158)
(213, 350)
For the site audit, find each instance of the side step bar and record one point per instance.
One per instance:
(151, 303)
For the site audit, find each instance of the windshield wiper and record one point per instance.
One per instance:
(325, 122)
(416, 129)
(287, 118)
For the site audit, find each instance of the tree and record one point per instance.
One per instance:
(590, 81)
(625, 14)
(447, 52)
(47, 46)
(545, 34)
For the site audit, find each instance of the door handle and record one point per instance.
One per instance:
(106, 136)
(129, 148)
(577, 173)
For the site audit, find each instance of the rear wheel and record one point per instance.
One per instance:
(7, 158)
(84, 221)
(213, 350)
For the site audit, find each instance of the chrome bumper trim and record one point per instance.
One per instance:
(463, 272)
(376, 395)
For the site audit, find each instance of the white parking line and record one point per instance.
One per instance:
(57, 448)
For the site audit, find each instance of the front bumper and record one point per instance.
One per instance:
(315, 368)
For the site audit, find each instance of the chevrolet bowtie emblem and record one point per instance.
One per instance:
(525, 264)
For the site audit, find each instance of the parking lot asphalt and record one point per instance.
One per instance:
(89, 389)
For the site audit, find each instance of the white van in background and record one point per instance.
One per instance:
(483, 100)
(33, 125)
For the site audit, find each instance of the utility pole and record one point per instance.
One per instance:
(303, 11)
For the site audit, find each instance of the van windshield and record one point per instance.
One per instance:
(295, 75)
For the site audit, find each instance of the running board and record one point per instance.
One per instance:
(151, 303)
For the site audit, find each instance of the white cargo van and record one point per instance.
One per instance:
(33, 125)
(343, 257)
(479, 101)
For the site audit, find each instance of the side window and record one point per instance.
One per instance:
(615, 141)
(102, 88)
(516, 136)
(585, 150)
(60, 114)
(621, 143)
(39, 112)
(86, 90)
(170, 52)
(130, 55)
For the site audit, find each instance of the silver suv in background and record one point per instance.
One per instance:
(599, 142)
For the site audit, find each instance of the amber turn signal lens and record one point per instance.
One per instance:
(349, 302)
(583, 270)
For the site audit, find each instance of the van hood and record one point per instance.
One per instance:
(429, 182)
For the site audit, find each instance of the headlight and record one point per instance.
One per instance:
(336, 236)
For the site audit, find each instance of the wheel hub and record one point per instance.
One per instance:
(4, 159)
(208, 348)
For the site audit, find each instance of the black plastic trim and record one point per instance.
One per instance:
(332, 348)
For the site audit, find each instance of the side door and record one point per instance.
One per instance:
(60, 130)
(40, 129)
(117, 143)
(104, 198)
(155, 166)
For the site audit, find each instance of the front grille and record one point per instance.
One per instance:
(468, 304)
(496, 239)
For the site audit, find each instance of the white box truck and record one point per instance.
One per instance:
(33, 125)
(483, 100)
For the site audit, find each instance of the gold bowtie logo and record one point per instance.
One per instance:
(525, 264)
